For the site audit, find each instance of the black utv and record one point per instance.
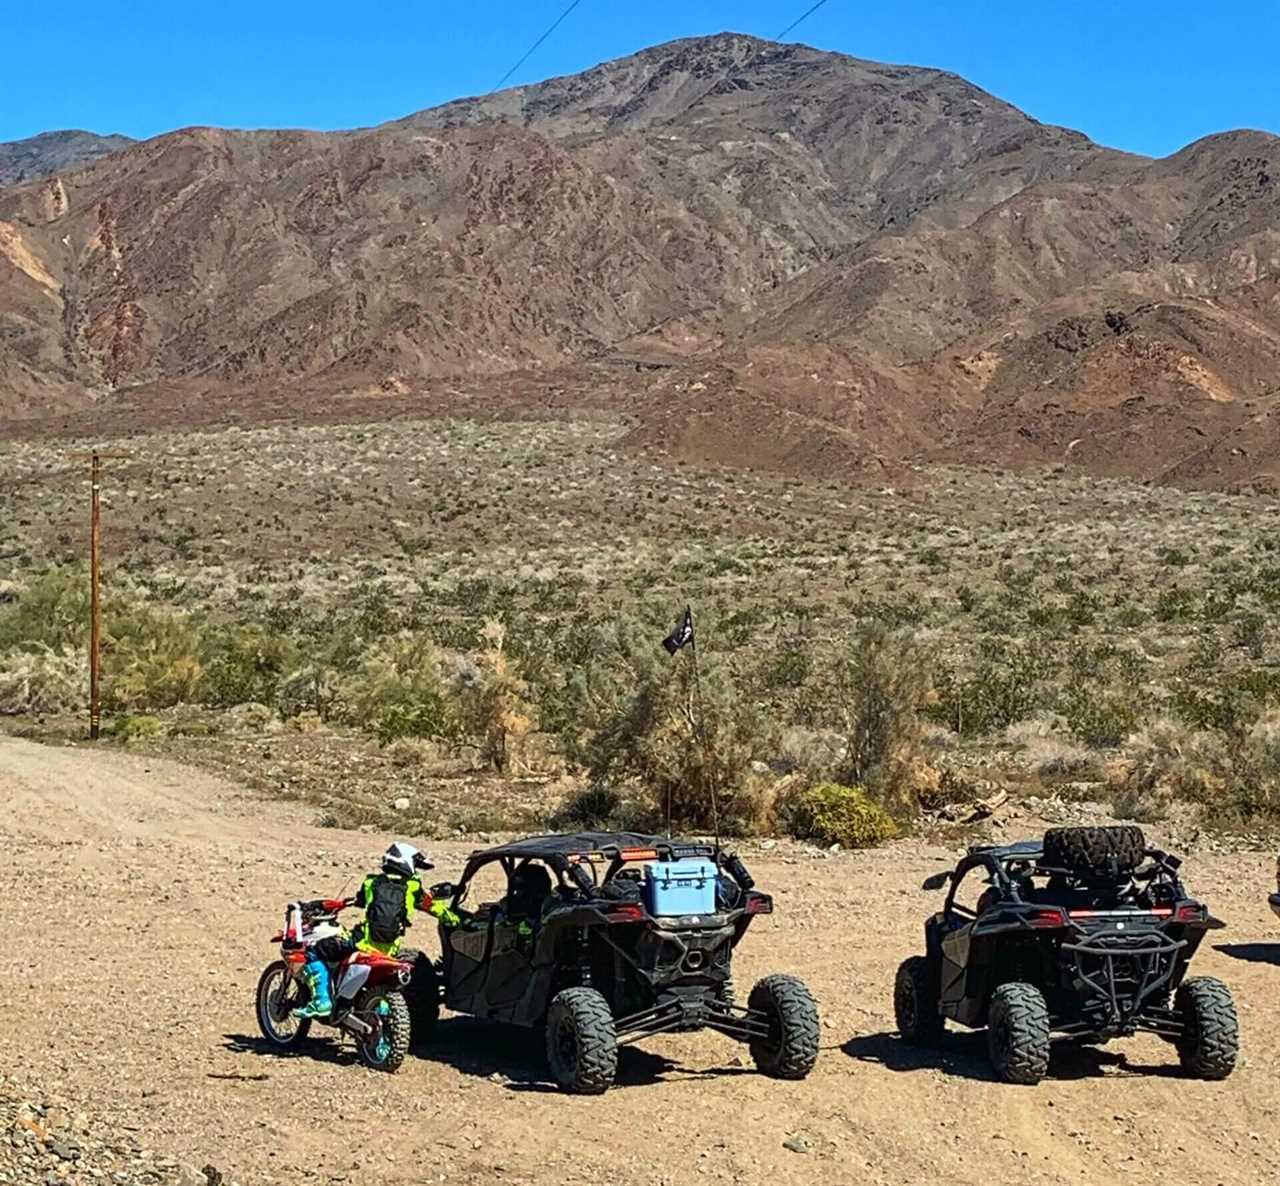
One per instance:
(607, 938)
(1087, 935)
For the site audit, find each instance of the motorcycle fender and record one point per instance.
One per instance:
(354, 978)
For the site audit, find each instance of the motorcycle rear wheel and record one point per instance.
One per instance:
(387, 1013)
(278, 995)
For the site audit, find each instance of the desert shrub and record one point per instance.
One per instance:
(243, 664)
(308, 689)
(591, 808)
(1100, 717)
(133, 728)
(423, 715)
(1233, 778)
(151, 659)
(1006, 685)
(396, 691)
(829, 813)
(1249, 633)
(650, 730)
(43, 680)
(815, 752)
(490, 705)
(879, 688)
(51, 612)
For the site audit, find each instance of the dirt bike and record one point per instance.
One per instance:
(368, 990)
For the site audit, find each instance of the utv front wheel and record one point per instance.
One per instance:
(787, 1007)
(1210, 1042)
(582, 1044)
(915, 1003)
(1018, 1033)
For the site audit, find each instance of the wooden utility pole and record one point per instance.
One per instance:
(95, 458)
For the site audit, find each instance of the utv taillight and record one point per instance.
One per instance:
(1189, 912)
(758, 904)
(627, 912)
(1048, 919)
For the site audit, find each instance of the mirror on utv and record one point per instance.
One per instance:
(937, 881)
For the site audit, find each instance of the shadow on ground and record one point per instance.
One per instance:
(964, 1055)
(1254, 953)
(487, 1050)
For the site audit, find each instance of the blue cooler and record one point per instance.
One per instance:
(680, 887)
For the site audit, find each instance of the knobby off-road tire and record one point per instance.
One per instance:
(386, 1048)
(792, 1047)
(274, 1005)
(915, 1002)
(1018, 1033)
(1210, 1045)
(1093, 850)
(423, 994)
(582, 1043)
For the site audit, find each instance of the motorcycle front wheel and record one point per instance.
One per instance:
(279, 994)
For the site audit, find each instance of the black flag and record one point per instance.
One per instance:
(681, 635)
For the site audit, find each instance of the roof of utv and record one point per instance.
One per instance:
(578, 844)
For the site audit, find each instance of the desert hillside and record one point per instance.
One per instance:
(801, 260)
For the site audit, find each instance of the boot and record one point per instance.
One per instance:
(315, 975)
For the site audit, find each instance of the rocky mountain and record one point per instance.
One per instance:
(54, 152)
(799, 259)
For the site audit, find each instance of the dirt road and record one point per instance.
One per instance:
(138, 897)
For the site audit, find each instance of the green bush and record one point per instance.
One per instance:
(878, 688)
(1098, 717)
(592, 808)
(151, 659)
(833, 814)
(51, 612)
(131, 728)
(426, 716)
(244, 664)
(648, 726)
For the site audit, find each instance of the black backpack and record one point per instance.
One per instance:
(387, 914)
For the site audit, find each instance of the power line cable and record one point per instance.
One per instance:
(535, 46)
(800, 20)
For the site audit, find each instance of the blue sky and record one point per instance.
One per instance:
(1147, 77)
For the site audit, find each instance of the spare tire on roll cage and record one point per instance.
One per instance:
(1118, 849)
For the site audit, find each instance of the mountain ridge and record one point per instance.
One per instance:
(828, 263)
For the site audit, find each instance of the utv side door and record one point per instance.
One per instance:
(510, 965)
(467, 948)
(956, 936)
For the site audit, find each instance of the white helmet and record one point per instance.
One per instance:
(404, 859)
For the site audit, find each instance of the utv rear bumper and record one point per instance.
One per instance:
(690, 1013)
(1122, 982)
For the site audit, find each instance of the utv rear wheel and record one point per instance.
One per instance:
(1095, 850)
(387, 1015)
(1018, 1033)
(915, 1003)
(423, 994)
(1210, 1043)
(279, 994)
(582, 1043)
(788, 1008)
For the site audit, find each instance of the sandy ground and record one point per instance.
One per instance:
(139, 897)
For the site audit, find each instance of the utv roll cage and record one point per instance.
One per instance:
(679, 964)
